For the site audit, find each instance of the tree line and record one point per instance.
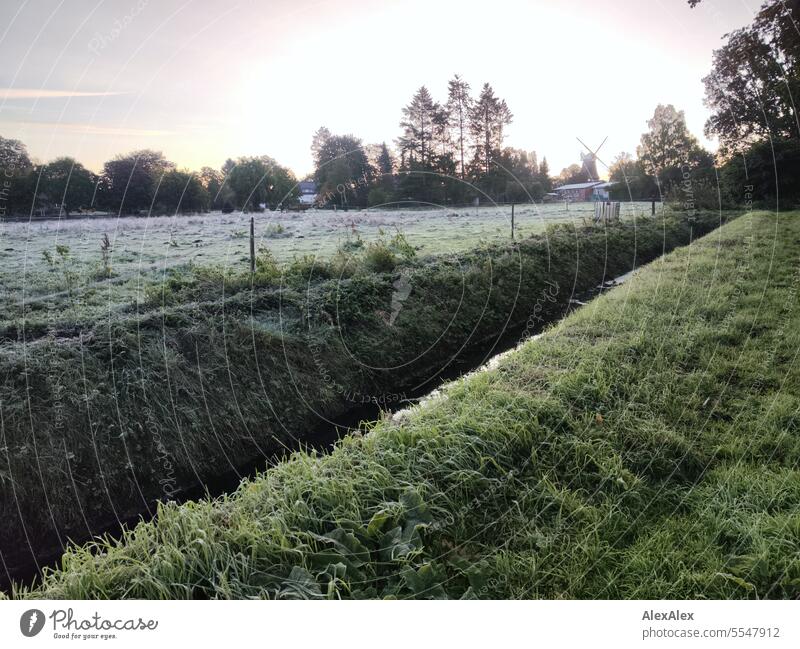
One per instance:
(453, 151)
(447, 152)
(750, 90)
(138, 182)
(669, 162)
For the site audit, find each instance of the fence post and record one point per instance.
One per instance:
(653, 208)
(512, 221)
(252, 245)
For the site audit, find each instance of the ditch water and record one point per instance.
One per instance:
(481, 357)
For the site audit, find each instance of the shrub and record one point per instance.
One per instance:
(379, 257)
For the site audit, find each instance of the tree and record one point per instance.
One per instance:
(418, 127)
(13, 157)
(442, 141)
(385, 161)
(488, 117)
(318, 142)
(751, 176)
(630, 178)
(459, 104)
(259, 180)
(65, 182)
(534, 162)
(521, 173)
(571, 175)
(228, 166)
(343, 171)
(384, 166)
(544, 168)
(217, 191)
(755, 79)
(383, 190)
(668, 146)
(15, 187)
(181, 191)
(129, 182)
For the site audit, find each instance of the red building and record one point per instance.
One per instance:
(580, 192)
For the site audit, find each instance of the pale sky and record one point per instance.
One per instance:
(204, 80)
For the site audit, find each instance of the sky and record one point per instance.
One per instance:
(204, 80)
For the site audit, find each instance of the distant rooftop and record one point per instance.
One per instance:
(594, 183)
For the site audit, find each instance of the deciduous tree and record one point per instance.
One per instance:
(755, 79)
(668, 147)
(65, 182)
(343, 171)
(129, 182)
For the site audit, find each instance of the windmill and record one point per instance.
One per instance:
(589, 160)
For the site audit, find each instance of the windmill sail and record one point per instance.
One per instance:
(589, 161)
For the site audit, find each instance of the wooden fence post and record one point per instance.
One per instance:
(512, 221)
(252, 245)
(653, 208)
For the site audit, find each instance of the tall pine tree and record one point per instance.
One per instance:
(459, 104)
(419, 116)
(488, 117)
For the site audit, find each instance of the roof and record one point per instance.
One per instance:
(307, 186)
(594, 183)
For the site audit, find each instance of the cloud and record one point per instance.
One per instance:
(32, 93)
(94, 129)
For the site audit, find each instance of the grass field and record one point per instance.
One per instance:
(645, 447)
(33, 273)
(217, 371)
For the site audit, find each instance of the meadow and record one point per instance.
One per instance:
(52, 267)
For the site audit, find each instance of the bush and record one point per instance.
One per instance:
(379, 257)
(378, 196)
(766, 174)
(694, 195)
(266, 265)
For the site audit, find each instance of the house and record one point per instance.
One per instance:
(596, 190)
(577, 192)
(308, 192)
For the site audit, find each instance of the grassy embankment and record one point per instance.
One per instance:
(646, 447)
(219, 370)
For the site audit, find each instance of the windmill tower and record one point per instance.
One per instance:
(589, 161)
(589, 165)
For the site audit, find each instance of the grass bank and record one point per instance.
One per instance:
(646, 447)
(216, 370)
